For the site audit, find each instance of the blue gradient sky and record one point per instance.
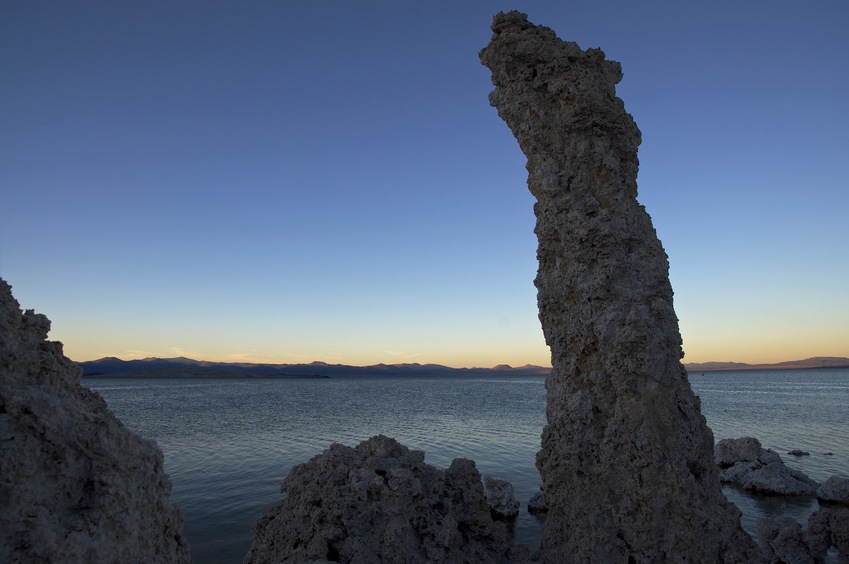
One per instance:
(298, 181)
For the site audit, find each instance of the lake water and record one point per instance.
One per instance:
(228, 443)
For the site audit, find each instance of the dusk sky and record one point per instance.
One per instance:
(299, 181)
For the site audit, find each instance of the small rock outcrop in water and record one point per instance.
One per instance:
(745, 463)
(380, 502)
(500, 497)
(834, 490)
(75, 484)
(627, 458)
(537, 503)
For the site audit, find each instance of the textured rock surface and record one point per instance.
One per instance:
(835, 489)
(745, 463)
(782, 540)
(381, 502)
(537, 503)
(829, 527)
(75, 484)
(500, 497)
(626, 459)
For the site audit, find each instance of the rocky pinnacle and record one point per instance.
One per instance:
(626, 458)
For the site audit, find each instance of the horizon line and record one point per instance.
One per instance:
(704, 365)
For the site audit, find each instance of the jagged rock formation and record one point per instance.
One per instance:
(829, 527)
(75, 484)
(380, 502)
(626, 459)
(782, 539)
(745, 463)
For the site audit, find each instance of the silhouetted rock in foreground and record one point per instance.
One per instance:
(783, 540)
(379, 502)
(627, 458)
(829, 527)
(75, 485)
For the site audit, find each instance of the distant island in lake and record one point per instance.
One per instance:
(187, 368)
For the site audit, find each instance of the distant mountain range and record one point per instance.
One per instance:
(815, 362)
(187, 367)
(182, 366)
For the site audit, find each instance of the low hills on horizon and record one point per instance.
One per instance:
(813, 362)
(317, 369)
(182, 366)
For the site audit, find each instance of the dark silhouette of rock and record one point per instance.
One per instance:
(829, 527)
(745, 463)
(75, 484)
(782, 540)
(380, 502)
(627, 458)
(537, 503)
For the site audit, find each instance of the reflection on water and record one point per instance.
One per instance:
(229, 443)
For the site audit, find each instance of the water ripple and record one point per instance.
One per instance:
(229, 443)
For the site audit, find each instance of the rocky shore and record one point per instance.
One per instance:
(629, 468)
(744, 463)
(75, 484)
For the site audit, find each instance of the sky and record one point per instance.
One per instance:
(298, 181)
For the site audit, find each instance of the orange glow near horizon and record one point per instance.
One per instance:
(723, 352)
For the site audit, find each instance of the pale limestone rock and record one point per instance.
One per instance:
(75, 484)
(626, 457)
(500, 497)
(835, 490)
(380, 502)
(745, 463)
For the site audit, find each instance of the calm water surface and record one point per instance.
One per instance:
(229, 443)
